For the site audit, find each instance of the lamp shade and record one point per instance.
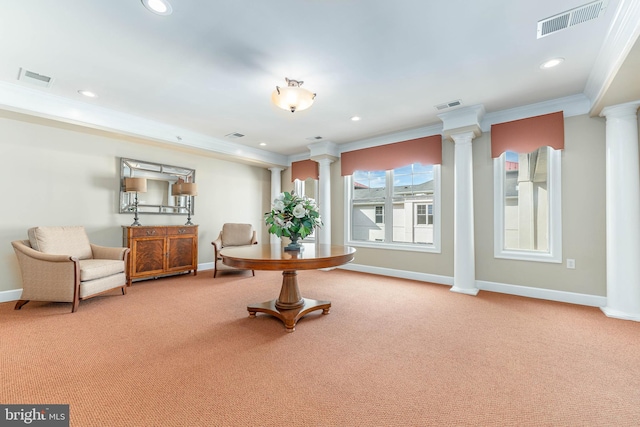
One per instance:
(189, 189)
(292, 97)
(176, 189)
(139, 185)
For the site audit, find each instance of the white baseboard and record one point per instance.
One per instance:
(504, 288)
(12, 295)
(539, 293)
(206, 266)
(402, 274)
(617, 314)
(524, 291)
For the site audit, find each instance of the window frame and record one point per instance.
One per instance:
(299, 187)
(434, 247)
(554, 186)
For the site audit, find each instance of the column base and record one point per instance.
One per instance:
(465, 291)
(617, 314)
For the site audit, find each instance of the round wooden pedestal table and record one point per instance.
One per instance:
(290, 306)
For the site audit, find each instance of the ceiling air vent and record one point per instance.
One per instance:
(448, 104)
(571, 17)
(35, 78)
(234, 135)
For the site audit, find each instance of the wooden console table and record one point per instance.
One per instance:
(159, 250)
(290, 306)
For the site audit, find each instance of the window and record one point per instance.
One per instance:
(379, 214)
(409, 196)
(309, 188)
(424, 214)
(421, 214)
(527, 204)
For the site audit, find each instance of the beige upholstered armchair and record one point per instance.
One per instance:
(232, 235)
(59, 264)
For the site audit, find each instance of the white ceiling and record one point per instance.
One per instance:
(210, 67)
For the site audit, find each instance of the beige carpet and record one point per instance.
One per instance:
(182, 352)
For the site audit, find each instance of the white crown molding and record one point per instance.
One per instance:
(37, 103)
(573, 105)
(622, 35)
(391, 138)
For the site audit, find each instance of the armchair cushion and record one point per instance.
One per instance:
(237, 234)
(71, 241)
(91, 269)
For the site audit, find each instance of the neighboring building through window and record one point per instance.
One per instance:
(527, 205)
(408, 194)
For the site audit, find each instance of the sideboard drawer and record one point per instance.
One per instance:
(148, 231)
(181, 231)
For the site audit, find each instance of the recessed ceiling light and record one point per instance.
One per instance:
(262, 144)
(355, 118)
(87, 93)
(551, 63)
(159, 7)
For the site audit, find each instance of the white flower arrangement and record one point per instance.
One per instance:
(293, 216)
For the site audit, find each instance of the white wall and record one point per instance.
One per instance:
(60, 174)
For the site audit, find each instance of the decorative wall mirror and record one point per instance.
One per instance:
(160, 179)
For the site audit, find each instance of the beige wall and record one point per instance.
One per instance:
(68, 175)
(583, 216)
(58, 174)
(419, 262)
(583, 219)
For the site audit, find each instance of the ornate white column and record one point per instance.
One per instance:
(462, 126)
(276, 188)
(464, 256)
(325, 153)
(622, 212)
(323, 234)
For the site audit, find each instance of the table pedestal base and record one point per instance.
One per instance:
(289, 317)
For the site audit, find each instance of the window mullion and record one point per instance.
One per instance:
(388, 208)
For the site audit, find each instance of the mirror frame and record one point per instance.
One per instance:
(160, 180)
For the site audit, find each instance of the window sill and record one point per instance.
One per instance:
(528, 256)
(396, 246)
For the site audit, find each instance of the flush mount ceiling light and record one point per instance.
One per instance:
(159, 7)
(551, 63)
(293, 97)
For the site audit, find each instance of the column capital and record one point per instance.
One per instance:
(323, 149)
(621, 110)
(324, 160)
(463, 137)
(275, 169)
(462, 120)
